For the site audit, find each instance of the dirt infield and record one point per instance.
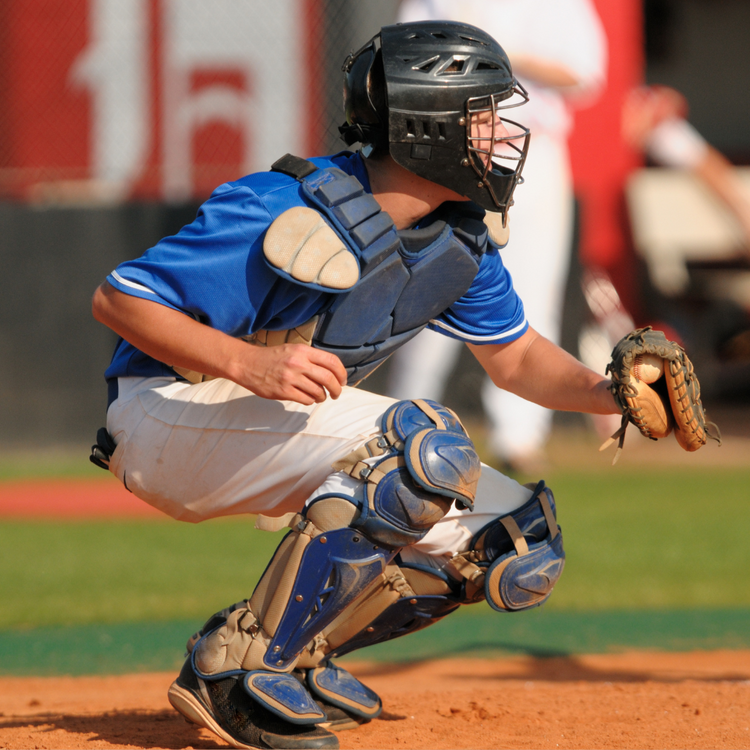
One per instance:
(633, 700)
(71, 498)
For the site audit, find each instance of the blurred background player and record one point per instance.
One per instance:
(654, 122)
(558, 50)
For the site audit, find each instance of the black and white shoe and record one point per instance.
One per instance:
(338, 720)
(224, 708)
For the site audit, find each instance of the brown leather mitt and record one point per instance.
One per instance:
(655, 386)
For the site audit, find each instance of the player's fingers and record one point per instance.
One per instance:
(326, 371)
(306, 390)
(331, 362)
(327, 380)
(300, 373)
(318, 382)
(301, 376)
(299, 397)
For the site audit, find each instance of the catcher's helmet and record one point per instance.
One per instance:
(427, 92)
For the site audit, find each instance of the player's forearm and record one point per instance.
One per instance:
(534, 368)
(167, 335)
(291, 372)
(545, 72)
(718, 173)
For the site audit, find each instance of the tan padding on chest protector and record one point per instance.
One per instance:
(499, 232)
(302, 244)
(300, 335)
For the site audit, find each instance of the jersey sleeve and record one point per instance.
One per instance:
(491, 312)
(676, 143)
(214, 270)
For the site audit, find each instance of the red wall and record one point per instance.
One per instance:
(601, 160)
(44, 127)
(46, 118)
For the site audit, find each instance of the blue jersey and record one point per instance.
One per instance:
(214, 270)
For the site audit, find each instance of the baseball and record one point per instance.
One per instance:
(648, 368)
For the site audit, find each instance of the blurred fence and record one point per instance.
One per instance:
(108, 100)
(117, 117)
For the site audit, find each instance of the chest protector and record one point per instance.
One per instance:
(400, 280)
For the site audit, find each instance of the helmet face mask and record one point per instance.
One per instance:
(430, 93)
(496, 147)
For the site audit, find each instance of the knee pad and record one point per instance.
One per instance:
(439, 454)
(516, 560)
(412, 473)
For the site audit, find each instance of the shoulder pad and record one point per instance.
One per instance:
(301, 245)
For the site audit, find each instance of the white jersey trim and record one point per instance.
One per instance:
(479, 339)
(131, 284)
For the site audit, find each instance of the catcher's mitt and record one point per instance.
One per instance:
(670, 400)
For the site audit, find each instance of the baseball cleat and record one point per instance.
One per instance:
(224, 708)
(337, 720)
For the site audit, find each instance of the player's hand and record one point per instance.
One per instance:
(292, 372)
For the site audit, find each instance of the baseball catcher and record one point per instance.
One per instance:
(232, 388)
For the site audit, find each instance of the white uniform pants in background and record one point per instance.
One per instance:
(538, 258)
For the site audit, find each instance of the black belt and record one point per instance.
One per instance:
(113, 390)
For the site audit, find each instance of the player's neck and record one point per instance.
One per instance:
(403, 195)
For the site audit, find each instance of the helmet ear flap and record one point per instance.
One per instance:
(376, 88)
(357, 104)
(365, 97)
(365, 102)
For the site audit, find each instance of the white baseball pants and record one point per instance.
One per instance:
(214, 449)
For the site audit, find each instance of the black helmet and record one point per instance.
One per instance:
(420, 90)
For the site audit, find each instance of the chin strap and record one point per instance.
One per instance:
(362, 133)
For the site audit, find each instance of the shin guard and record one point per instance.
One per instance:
(406, 599)
(338, 554)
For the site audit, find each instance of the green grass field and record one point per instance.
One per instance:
(47, 463)
(665, 554)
